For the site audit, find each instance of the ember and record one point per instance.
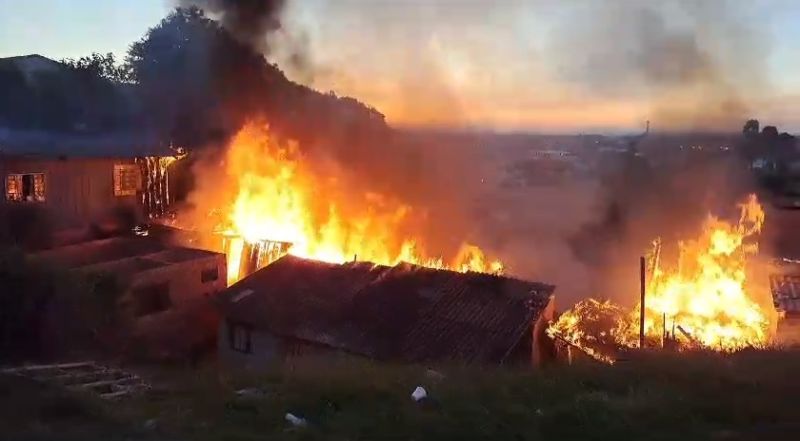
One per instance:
(705, 300)
(279, 199)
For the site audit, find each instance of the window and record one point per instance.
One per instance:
(127, 178)
(239, 337)
(209, 275)
(150, 299)
(28, 187)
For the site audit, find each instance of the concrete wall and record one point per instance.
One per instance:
(77, 190)
(265, 349)
(184, 280)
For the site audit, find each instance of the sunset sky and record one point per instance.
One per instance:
(547, 65)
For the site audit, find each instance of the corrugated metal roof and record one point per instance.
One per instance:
(405, 312)
(786, 292)
(105, 145)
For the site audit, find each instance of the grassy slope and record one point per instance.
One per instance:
(743, 397)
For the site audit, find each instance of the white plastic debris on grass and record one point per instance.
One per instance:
(296, 420)
(419, 394)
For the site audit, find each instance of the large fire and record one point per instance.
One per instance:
(279, 198)
(705, 300)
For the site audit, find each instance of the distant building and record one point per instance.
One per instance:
(78, 179)
(404, 313)
(31, 65)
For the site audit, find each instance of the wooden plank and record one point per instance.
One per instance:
(39, 367)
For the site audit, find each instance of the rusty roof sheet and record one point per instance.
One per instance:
(786, 292)
(406, 312)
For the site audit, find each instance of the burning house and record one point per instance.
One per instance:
(404, 313)
(77, 180)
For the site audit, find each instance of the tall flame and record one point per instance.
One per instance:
(279, 198)
(707, 294)
(705, 300)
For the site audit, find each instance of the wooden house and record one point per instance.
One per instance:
(79, 179)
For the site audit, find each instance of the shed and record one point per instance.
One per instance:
(167, 290)
(157, 277)
(404, 313)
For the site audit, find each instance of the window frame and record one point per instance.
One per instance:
(244, 343)
(20, 182)
(123, 169)
(205, 276)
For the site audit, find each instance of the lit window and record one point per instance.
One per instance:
(28, 187)
(126, 179)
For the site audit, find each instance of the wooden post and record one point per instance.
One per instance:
(641, 303)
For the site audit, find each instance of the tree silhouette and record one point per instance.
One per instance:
(750, 128)
(199, 83)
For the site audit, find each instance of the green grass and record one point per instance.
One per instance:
(746, 396)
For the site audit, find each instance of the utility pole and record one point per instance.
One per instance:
(641, 303)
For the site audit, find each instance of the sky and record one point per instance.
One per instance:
(538, 65)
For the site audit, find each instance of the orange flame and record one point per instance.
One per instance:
(707, 294)
(706, 297)
(279, 198)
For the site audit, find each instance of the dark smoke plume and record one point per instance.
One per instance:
(258, 23)
(249, 20)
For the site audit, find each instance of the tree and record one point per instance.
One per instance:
(194, 79)
(750, 128)
(769, 132)
(101, 66)
(199, 83)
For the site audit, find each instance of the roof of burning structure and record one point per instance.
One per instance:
(405, 312)
(100, 145)
(786, 292)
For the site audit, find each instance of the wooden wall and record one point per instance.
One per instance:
(77, 190)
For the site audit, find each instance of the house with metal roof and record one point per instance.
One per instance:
(404, 313)
(77, 179)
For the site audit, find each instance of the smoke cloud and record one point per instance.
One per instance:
(249, 20)
(260, 24)
(696, 64)
(546, 65)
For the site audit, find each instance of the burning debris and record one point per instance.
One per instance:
(705, 300)
(155, 193)
(275, 202)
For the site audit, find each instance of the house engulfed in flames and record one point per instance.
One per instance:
(707, 300)
(276, 203)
